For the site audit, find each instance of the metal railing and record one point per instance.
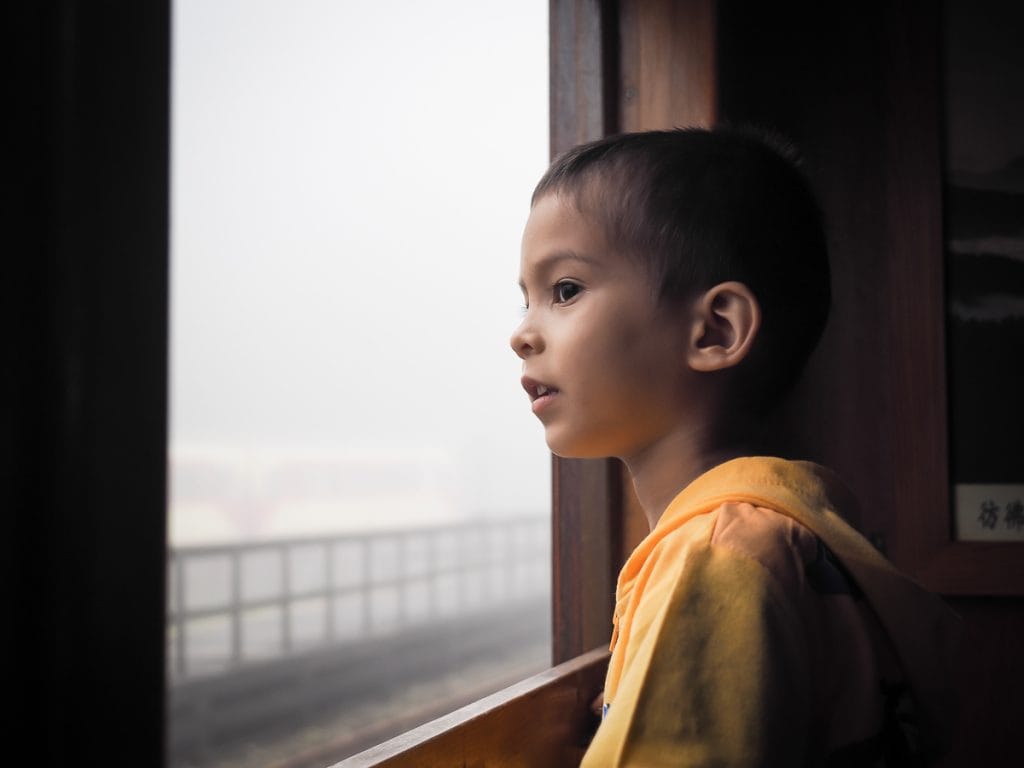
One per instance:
(233, 604)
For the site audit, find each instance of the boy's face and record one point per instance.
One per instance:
(604, 363)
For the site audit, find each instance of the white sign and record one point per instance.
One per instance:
(989, 512)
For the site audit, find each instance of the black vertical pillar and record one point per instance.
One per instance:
(84, 414)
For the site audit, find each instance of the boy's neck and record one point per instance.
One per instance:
(664, 469)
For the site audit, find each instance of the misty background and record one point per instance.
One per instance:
(350, 183)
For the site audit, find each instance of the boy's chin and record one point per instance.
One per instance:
(570, 451)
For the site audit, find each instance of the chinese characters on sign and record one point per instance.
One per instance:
(990, 512)
(1013, 514)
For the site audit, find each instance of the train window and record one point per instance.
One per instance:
(359, 509)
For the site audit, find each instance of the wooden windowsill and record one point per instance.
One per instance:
(545, 720)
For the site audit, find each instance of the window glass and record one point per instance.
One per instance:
(359, 507)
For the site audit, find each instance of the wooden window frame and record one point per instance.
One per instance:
(586, 494)
(85, 457)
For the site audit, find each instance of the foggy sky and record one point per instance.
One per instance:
(350, 183)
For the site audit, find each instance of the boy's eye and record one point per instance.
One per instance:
(565, 291)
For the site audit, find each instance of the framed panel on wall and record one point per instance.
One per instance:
(984, 247)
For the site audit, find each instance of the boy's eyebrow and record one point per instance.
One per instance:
(553, 258)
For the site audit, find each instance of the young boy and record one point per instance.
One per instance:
(675, 283)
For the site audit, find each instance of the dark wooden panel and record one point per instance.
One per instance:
(584, 570)
(828, 94)
(582, 58)
(871, 402)
(974, 568)
(584, 492)
(667, 67)
(989, 676)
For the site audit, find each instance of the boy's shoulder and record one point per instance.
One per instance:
(794, 556)
(785, 549)
(774, 519)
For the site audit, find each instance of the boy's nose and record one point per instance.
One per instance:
(525, 341)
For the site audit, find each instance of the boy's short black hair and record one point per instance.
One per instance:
(699, 207)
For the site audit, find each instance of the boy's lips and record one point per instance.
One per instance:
(540, 394)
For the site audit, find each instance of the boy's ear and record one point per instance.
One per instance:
(726, 320)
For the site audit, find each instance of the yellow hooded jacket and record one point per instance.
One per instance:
(753, 626)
